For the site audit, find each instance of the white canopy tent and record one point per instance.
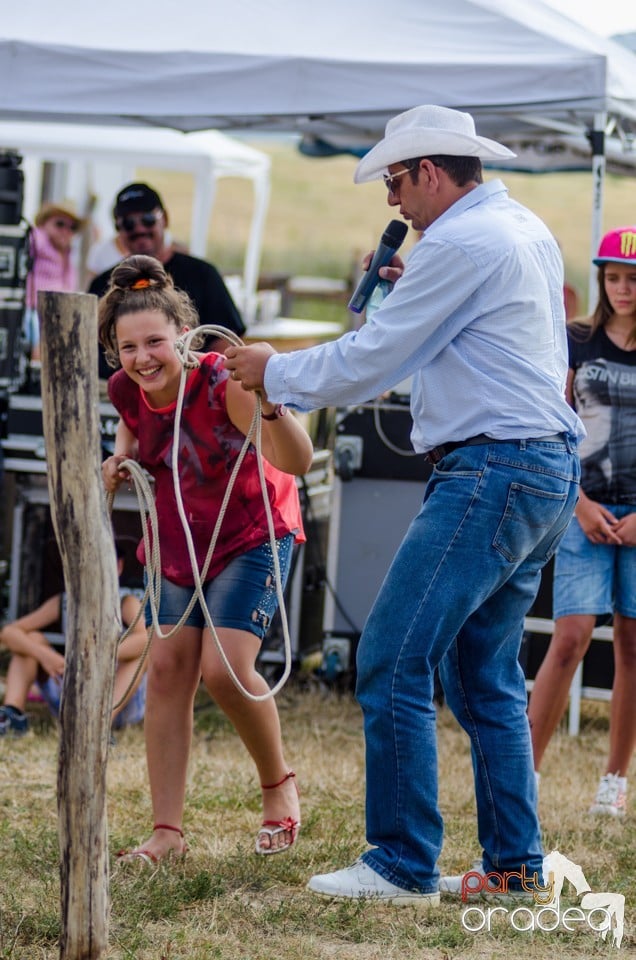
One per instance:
(322, 68)
(331, 69)
(97, 161)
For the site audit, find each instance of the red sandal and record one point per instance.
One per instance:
(272, 828)
(148, 858)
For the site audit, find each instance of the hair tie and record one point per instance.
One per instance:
(140, 284)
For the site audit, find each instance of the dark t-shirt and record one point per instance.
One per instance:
(203, 284)
(605, 399)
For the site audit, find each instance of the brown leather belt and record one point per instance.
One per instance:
(438, 453)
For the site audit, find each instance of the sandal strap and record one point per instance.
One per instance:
(167, 826)
(273, 828)
(272, 786)
(287, 823)
(128, 856)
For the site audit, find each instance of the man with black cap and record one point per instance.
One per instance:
(141, 219)
(476, 318)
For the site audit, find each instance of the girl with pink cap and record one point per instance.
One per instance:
(595, 567)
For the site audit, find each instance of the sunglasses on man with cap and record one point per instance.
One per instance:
(131, 221)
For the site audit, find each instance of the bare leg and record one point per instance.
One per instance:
(123, 683)
(623, 706)
(21, 674)
(549, 696)
(257, 723)
(174, 671)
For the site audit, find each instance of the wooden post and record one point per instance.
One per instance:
(83, 530)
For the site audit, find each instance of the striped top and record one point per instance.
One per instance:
(51, 270)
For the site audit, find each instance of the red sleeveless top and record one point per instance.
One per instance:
(209, 447)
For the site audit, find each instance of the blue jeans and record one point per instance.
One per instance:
(133, 712)
(455, 596)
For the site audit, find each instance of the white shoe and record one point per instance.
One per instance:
(611, 796)
(469, 887)
(360, 882)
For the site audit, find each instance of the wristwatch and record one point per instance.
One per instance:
(279, 411)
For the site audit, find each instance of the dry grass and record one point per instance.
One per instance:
(223, 902)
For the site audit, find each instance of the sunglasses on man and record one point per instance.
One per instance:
(133, 220)
(392, 181)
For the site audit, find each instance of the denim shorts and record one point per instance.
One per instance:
(594, 578)
(242, 596)
(133, 712)
(31, 327)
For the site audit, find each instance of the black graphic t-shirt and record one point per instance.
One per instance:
(605, 400)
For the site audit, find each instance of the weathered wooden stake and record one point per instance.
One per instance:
(83, 531)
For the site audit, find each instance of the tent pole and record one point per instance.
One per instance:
(251, 269)
(598, 184)
(203, 200)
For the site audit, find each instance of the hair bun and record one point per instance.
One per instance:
(138, 272)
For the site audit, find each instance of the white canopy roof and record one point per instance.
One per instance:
(324, 68)
(332, 68)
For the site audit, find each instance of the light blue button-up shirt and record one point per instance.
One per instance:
(477, 320)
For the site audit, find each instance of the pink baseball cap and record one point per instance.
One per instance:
(617, 246)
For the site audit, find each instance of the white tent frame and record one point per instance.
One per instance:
(328, 69)
(109, 156)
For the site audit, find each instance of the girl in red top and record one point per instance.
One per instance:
(140, 318)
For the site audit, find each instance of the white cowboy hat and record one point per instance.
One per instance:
(423, 132)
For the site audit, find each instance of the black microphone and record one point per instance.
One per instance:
(389, 243)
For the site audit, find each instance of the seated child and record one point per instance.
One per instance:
(34, 660)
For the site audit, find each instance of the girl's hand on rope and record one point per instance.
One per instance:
(112, 473)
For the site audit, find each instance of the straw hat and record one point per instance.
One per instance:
(424, 132)
(63, 208)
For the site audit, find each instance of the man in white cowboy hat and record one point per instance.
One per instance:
(476, 318)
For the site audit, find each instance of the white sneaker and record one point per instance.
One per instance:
(611, 796)
(468, 886)
(360, 882)
(452, 886)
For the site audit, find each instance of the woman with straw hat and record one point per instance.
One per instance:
(52, 266)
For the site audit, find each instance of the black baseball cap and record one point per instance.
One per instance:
(136, 197)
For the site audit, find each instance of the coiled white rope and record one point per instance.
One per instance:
(148, 514)
(377, 407)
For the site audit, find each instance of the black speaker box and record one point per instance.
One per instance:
(11, 188)
(40, 572)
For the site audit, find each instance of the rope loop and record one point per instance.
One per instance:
(189, 360)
